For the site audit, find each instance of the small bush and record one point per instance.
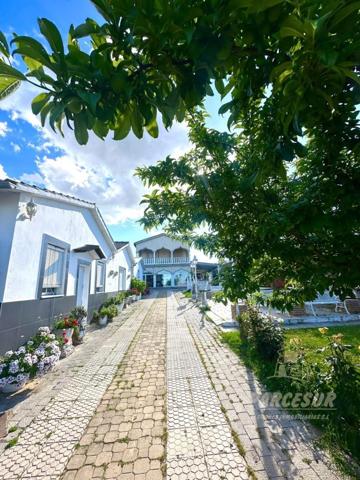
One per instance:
(263, 332)
(138, 285)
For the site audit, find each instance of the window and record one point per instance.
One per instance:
(181, 278)
(100, 277)
(53, 268)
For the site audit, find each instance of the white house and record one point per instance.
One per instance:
(55, 252)
(170, 263)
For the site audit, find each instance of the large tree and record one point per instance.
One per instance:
(281, 196)
(152, 57)
(301, 225)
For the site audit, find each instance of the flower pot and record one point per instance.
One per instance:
(67, 334)
(138, 297)
(120, 307)
(103, 321)
(12, 387)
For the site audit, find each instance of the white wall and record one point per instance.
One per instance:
(120, 259)
(8, 213)
(162, 241)
(66, 222)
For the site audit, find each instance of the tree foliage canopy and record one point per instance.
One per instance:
(302, 226)
(281, 196)
(152, 57)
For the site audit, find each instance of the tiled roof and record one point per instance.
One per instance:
(14, 183)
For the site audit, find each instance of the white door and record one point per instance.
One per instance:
(122, 278)
(83, 285)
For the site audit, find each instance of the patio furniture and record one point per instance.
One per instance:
(327, 299)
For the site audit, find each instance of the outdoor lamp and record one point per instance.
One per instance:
(31, 209)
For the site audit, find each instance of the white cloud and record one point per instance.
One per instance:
(101, 171)
(2, 172)
(15, 147)
(4, 129)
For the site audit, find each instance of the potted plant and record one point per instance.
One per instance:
(112, 312)
(138, 287)
(79, 313)
(120, 301)
(103, 316)
(65, 326)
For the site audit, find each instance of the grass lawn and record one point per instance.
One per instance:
(312, 339)
(336, 434)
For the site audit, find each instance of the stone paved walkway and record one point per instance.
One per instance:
(200, 444)
(125, 439)
(156, 384)
(51, 421)
(276, 446)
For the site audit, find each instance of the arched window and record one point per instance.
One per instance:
(146, 253)
(180, 255)
(163, 279)
(181, 278)
(163, 255)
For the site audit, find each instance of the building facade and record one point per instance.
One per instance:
(55, 253)
(170, 263)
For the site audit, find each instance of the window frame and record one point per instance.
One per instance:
(55, 242)
(102, 262)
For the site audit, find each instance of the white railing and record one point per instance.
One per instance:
(165, 260)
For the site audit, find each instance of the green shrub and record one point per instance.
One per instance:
(109, 311)
(138, 285)
(263, 332)
(119, 298)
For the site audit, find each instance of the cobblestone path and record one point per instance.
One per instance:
(155, 395)
(200, 443)
(125, 439)
(53, 419)
(276, 446)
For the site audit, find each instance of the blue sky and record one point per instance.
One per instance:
(100, 171)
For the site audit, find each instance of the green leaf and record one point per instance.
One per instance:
(122, 128)
(85, 29)
(224, 108)
(152, 128)
(91, 99)
(10, 72)
(219, 85)
(4, 46)
(31, 48)
(136, 122)
(80, 127)
(45, 111)
(7, 86)
(52, 35)
(100, 129)
(39, 102)
(345, 12)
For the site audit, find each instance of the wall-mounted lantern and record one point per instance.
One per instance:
(31, 209)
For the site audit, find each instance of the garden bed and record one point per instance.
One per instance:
(341, 430)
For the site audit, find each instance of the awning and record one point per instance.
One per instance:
(95, 250)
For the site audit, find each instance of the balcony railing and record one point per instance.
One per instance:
(165, 260)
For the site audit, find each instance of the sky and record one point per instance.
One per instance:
(101, 171)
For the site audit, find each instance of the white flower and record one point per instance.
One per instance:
(21, 350)
(28, 359)
(30, 343)
(9, 354)
(40, 352)
(44, 329)
(3, 381)
(52, 336)
(14, 366)
(34, 359)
